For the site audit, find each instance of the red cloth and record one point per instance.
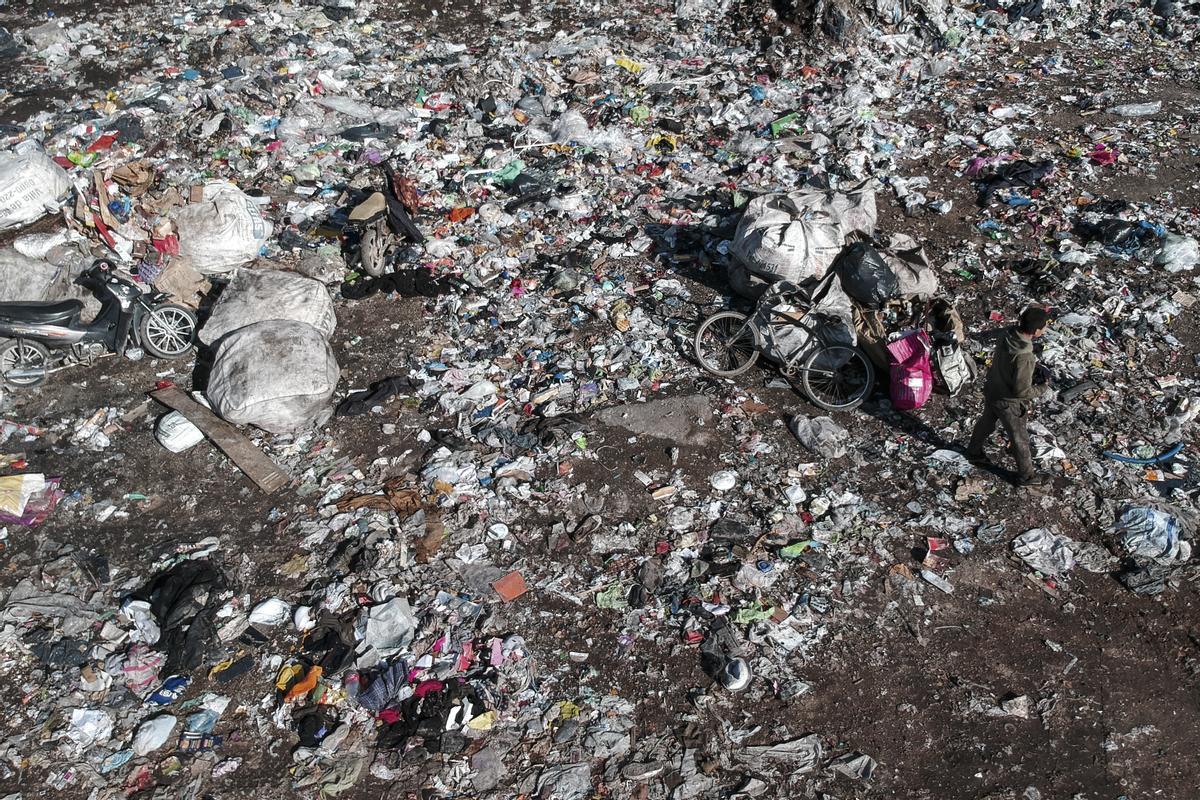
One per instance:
(428, 687)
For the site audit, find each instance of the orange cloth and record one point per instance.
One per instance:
(305, 685)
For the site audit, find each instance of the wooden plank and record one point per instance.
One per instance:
(232, 442)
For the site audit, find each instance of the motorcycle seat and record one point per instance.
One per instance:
(54, 312)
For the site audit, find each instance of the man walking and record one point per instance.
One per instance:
(1008, 393)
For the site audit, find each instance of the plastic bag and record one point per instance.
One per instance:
(1177, 253)
(779, 238)
(28, 499)
(853, 209)
(153, 734)
(571, 127)
(276, 375)
(262, 295)
(952, 366)
(865, 275)
(1152, 533)
(223, 231)
(911, 374)
(820, 435)
(907, 259)
(1048, 553)
(176, 432)
(31, 186)
(744, 282)
(782, 306)
(23, 278)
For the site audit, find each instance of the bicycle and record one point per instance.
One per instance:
(833, 375)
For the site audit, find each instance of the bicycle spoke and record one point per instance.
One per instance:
(840, 386)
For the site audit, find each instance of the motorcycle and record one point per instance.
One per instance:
(45, 337)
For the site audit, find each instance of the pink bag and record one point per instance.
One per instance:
(912, 375)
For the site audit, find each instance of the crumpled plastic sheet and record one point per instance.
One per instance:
(487, 767)
(1048, 553)
(1094, 557)
(611, 742)
(695, 783)
(26, 601)
(153, 733)
(565, 782)
(798, 755)
(858, 766)
(89, 726)
(1153, 533)
(1177, 253)
(821, 435)
(389, 627)
(141, 669)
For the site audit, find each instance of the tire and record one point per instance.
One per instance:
(23, 354)
(841, 387)
(720, 355)
(167, 331)
(372, 249)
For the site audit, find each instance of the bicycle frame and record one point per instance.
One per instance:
(791, 366)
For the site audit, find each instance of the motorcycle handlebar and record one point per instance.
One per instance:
(95, 272)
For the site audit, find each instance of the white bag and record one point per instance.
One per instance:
(784, 339)
(261, 295)
(31, 186)
(951, 364)
(278, 375)
(223, 231)
(24, 279)
(176, 432)
(852, 209)
(30, 279)
(153, 734)
(780, 238)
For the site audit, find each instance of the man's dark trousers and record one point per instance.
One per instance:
(1012, 416)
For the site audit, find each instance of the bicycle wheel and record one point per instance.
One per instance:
(837, 378)
(725, 345)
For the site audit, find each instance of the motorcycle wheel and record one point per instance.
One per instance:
(168, 331)
(372, 249)
(23, 354)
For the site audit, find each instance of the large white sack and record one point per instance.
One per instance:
(221, 232)
(31, 186)
(25, 279)
(853, 209)
(781, 239)
(277, 375)
(260, 295)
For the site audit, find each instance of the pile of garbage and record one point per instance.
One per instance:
(578, 507)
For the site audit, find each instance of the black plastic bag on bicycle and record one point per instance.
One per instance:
(866, 276)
